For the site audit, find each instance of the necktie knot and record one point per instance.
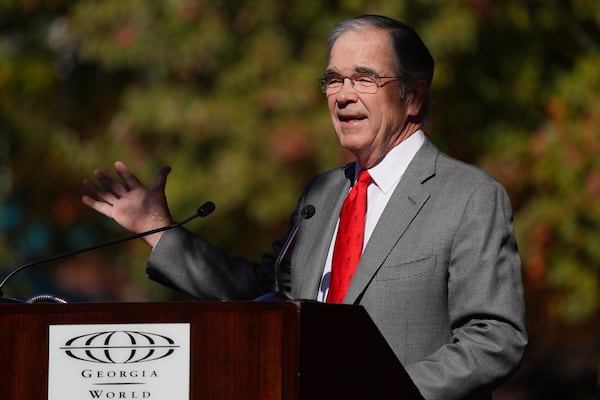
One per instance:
(364, 177)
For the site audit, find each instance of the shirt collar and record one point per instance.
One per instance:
(391, 168)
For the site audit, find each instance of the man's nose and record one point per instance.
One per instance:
(347, 93)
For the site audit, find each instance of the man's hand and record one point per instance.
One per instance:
(128, 202)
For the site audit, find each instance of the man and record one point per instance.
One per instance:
(439, 272)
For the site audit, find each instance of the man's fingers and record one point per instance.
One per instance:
(160, 180)
(109, 184)
(100, 206)
(99, 194)
(130, 179)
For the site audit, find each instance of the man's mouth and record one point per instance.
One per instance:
(351, 118)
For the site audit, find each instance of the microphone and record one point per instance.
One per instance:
(204, 210)
(307, 212)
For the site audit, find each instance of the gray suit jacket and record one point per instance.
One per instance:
(440, 276)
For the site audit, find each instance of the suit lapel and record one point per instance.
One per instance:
(321, 231)
(404, 205)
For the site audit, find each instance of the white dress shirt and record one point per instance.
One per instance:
(386, 176)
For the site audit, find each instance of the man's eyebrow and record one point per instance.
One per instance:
(359, 70)
(365, 70)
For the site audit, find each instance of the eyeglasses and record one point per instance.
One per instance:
(365, 83)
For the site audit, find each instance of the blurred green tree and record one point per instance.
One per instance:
(226, 93)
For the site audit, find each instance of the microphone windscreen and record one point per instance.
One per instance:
(308, 211)
(206, 209)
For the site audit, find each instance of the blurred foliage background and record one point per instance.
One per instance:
(226, 93)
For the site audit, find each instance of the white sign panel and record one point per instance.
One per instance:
(119, 361)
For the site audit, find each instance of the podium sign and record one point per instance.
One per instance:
(119, 361)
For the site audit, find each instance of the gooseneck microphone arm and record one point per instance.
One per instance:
(307, 212)
(204, 210)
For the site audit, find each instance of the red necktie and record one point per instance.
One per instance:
(349, 241)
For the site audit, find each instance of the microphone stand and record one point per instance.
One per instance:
(204, 210)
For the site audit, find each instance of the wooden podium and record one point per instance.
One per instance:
(239, 350)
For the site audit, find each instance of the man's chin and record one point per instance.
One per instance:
(352, 140)
(355, 148)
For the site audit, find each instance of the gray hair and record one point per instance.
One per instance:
(412, 60)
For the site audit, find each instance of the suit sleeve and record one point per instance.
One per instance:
(187, 263)
(485, 303)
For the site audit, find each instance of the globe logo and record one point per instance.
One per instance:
(119, 347)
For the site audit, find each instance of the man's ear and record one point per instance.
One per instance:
(416, 96)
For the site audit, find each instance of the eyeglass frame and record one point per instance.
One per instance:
(353, 80)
